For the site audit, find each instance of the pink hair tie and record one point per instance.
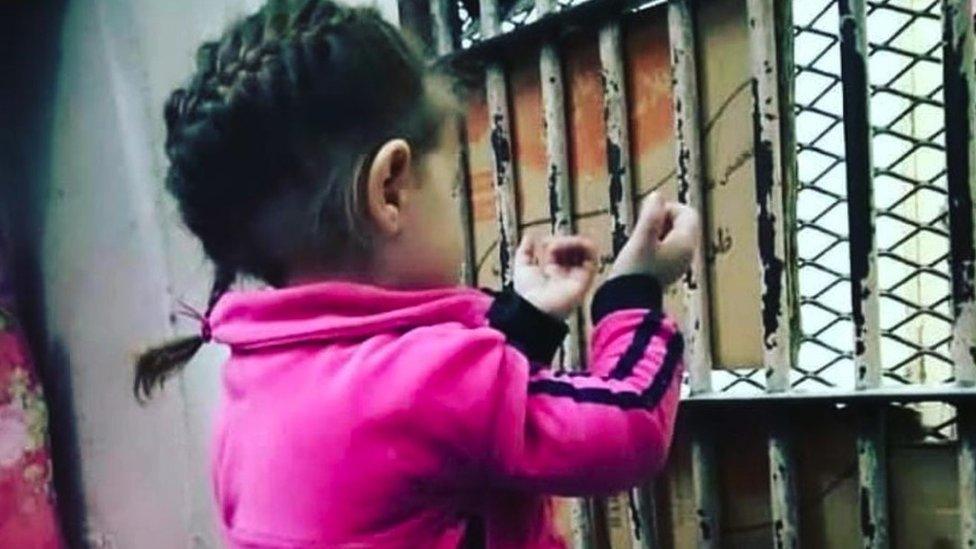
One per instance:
(186, 310)
(206, 332)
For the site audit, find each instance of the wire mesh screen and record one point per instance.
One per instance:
(739, 381)
(910, 189)
(910, 195)
(826, 342)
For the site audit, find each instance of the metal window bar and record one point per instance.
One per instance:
(622, 206)
(867, 179)
(688, 152)
(561, 221)
(871, 447)
(766, 68)
(959, 69)
(444, 40)
(496, 88)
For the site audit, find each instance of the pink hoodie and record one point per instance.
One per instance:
(355, 416)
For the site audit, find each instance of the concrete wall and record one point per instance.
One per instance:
(113, 261)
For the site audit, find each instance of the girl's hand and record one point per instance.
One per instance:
(663, 242)
(554, 273)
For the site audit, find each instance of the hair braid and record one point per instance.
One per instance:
(266, 136)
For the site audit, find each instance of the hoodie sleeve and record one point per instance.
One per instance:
(584, 433)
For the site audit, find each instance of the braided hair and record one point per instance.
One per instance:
(266, 139)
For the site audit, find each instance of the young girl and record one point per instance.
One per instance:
(369, 401)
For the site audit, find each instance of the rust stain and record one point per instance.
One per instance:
(649, 83)
(584, 102)
(528, 139)
(528, 145)
(482, 190)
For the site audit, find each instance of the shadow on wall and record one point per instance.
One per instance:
(29, 34)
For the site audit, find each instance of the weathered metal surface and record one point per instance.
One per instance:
(691, 191)
(444, 40)
(501, 148)
(895, 394)
(967, 475)
(871, 450)
(561, 217)
(960, 131)
(687, 121)
(782, 479)
(620, 183)
(769, 193)
(557, 168)
(772, 242)
(705, 489)
(860, 192)
(644, 520)
(441, 22)
(581, 534)
(872, 479)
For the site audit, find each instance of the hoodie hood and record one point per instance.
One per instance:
(337, 310)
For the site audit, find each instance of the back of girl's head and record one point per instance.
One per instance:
(266, 140)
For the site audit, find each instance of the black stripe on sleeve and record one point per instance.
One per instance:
(626, 400)
(649, 326)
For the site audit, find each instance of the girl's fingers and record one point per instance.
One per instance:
(571, 251)
(685, 225)
(653, 218)
(679, 245)
(527, 250)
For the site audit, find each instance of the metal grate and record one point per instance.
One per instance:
(871, 221)
(514, 14)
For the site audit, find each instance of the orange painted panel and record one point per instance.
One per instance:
(482, 191)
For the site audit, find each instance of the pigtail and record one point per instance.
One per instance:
(157, 364)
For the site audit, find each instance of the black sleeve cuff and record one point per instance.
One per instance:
(531, 331)
(626, 292)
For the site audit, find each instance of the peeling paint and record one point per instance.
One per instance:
(867, 525)
(959, 58)
(967, 475)
(554, 210)
(617, 174)
(872, 479)
(860, 192)
(501, 153)
(554, 129)
(772, 264)
(960, 127)
(691, 186)
(619, 182)
(500, 147)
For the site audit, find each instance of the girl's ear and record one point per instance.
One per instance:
(388, 178)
